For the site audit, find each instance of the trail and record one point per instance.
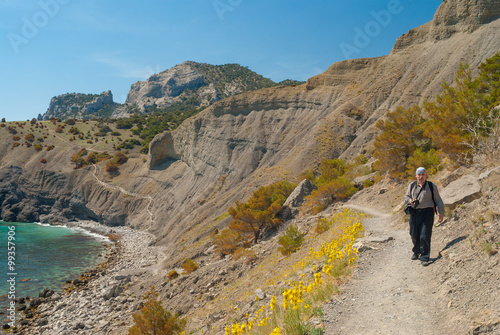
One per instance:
(156, 266)
(388, 293)
(122, 190)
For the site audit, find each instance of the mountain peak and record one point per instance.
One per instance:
(451, 17)
(466, 13)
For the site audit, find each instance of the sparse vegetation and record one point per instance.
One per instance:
(154, 319)
(189, 266)
(259, 213)
(290, 241)
(461, 125)
(333, 185)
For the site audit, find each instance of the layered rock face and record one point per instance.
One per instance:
(452, 17)
(258, 137)
(193, 84)
(165, 87)
(223, 154)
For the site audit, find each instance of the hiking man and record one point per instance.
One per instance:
(422, 200)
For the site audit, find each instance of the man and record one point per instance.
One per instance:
(423, 196)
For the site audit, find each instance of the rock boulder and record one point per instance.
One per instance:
(296, 199)
(463, 190)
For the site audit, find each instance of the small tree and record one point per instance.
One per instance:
(226, 241)
(260, 212)
(154, 319)
(402, 133)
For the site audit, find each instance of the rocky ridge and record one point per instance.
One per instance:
(194, 84)
(79, 106)
(239, 143)
(196, 172)
(189, 85)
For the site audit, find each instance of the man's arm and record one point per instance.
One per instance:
(439, 202)
(408, 197)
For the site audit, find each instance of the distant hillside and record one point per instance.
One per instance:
(80, 106)
(192, 85)
(185, 87)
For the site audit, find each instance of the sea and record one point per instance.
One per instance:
(34, 256)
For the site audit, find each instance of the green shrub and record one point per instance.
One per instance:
(111, 167)
(189, 265)
(290, 241)
(260, 212)
(367, 183)
(29, 137)
(154, 319)
(322, 226)
(172, 275)
(335, 190)
(120, 158)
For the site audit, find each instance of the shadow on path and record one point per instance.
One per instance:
(447, 246)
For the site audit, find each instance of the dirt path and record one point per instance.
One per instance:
(122, 190)
(389, 293)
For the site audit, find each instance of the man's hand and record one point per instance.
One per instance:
(441, 217)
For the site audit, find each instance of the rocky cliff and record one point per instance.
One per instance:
(221, 155)
(256, 137)
(80, 106)
(193, 84)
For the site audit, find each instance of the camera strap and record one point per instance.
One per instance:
(423, 186)
(418, 194)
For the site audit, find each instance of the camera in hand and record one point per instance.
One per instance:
(410, 209)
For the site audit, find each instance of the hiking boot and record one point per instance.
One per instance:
(425, 263)
(414, 257)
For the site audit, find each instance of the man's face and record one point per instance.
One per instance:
(421, 177)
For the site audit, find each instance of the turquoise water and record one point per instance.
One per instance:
(45, 256)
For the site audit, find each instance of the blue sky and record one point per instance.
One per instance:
(52, 47)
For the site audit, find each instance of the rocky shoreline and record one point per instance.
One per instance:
(98, 302)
